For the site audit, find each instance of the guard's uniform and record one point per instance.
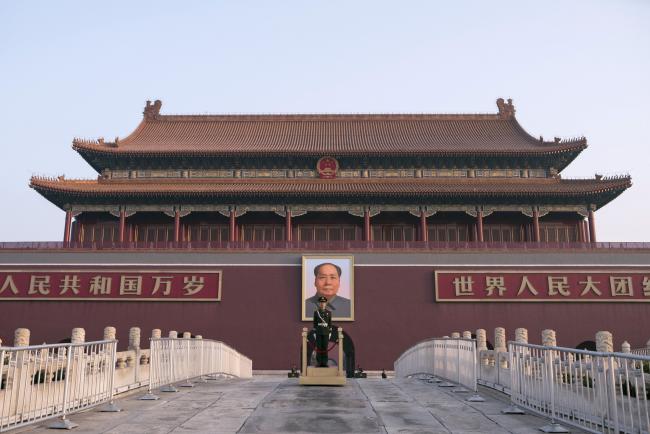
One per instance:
(323, 327)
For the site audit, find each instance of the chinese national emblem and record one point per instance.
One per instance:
(327, 167)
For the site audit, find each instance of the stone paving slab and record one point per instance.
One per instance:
(273, 404)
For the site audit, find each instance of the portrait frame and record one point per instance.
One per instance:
(346, 288)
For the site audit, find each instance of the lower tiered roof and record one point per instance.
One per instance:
(599, 191)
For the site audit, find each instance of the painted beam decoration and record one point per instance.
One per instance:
(110, 283)
(501, 284)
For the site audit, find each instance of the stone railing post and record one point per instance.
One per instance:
(134, 345)
(109, 333)
(455, 335)
(78, 336)
(156, 333)
(647, 344)
(22, 379)
(521, 335)
(604, 342)
(625, 347)
(173, 334)
(481, 345)
(548, 338)
(134, 338)
(500, 346)
(467, 334)
(21, 337)
(187, 335)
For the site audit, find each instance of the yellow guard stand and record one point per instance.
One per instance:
(313, 376)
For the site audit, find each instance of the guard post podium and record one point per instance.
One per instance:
(315, 376)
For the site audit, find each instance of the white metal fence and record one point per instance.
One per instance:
(51, 381)
(48, 381)
(595, 391)
(601, 392)
(453, 360)
(182, 359)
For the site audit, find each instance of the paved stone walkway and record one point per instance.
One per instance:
(268, 404)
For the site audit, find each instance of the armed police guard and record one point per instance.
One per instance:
(323, 327)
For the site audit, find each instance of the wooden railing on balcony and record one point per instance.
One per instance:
(322, 245)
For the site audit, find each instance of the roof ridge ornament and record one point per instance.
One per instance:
(506, 110)
(152, 111)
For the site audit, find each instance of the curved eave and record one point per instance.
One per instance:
(102, 157)
(64, 193)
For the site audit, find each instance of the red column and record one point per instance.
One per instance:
(424, 234)
(233, 227)
(479, 226)
(122, 225)
(177, 226)
(592, 226)
(536, 234)
(366, 225)
(287, 226)
(68, 226)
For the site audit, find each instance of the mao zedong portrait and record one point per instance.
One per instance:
(327, 281)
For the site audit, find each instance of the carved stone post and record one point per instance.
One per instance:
(455, 335)
(467, 334)
(21, 337)
(500, 346)
(109, 333)
(521, 335)
(173, 334)
(481, 345)
(481, 340)
(156, 333)
(78, 335)
(625, 347)
(604, 342)
(187, 335)
(500, 340)
(134, 338)
(548, 338)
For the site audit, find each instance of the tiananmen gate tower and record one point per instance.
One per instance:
(447, 221)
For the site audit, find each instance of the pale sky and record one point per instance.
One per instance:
(84, 69)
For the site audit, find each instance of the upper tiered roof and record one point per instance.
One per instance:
(333, 135)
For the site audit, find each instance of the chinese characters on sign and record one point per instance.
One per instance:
(498, 284)
(162, 284)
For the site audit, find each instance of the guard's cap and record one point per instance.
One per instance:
(322, 299)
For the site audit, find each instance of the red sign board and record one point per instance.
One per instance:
(109, 283)
(552, 285)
